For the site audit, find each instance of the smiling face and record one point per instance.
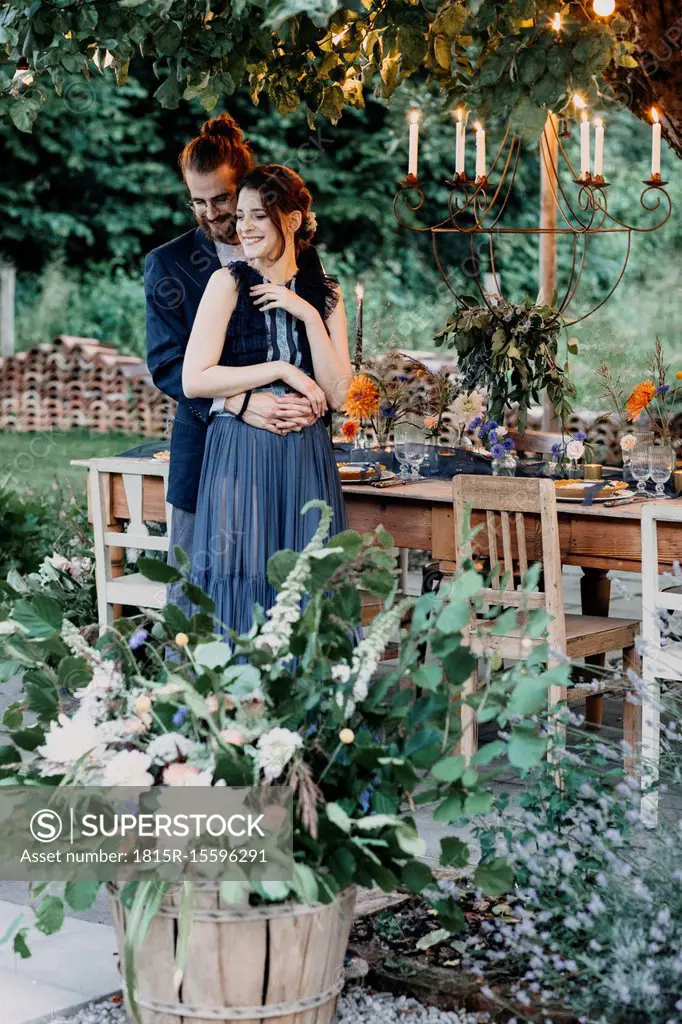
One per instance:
(213, 198)
(260, 235)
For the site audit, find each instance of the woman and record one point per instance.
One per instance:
(286, 331)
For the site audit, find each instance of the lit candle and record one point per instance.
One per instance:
(584, 145)
(480, 151)
(598, 148)
(413, 118)
(460, 129)
(655, 144)
(359, 293)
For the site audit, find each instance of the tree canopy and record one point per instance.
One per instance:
(501, 56)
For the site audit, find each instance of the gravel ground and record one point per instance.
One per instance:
(357, 1005)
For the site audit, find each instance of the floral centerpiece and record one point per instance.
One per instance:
(383, 395)
(571, 451)
(512, 352)
(655, 397)
(495, 439)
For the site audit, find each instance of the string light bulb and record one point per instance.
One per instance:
(604, 8)
(578, 101)
(556, 22)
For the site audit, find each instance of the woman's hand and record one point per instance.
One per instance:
(277, 296)
(306, 386)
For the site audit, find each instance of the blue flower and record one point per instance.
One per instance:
(508, 444)
(497, 451)
(387, 411)
(557, 449)
(490, 425)
(137, 638)
(365, 797)
(663, 389)
(402, 378)
(475, 423)
(180, 716)
(580, 435)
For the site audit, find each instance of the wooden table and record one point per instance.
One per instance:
(420, 516)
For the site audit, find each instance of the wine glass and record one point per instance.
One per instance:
(409, 447)
(639, 466)
(661, 460)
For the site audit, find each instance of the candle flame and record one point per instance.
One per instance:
(583, 116)
(578, 101)
(478, 126)
(359, 291)
(459, 113)
(413, 116)
(598, 123)
(556, 22)
(654, 115)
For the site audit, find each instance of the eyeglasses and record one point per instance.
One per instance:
(220, 202)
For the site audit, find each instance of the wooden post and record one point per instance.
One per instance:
(7, 282)
(549, 163)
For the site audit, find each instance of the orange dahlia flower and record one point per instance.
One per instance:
(430, 422)
(640, 398)
(362, 399)
(349, 429)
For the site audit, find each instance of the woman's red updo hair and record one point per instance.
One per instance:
(220, 141)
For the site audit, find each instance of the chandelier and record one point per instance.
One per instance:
(476, 206)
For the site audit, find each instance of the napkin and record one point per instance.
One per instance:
(591, 490)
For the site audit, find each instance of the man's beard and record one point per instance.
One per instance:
(222, 229)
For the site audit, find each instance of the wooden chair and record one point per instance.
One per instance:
(516, 511)
(114, 588)
(659, 660)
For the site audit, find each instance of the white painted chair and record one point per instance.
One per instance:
(113, 588)
(660, 660)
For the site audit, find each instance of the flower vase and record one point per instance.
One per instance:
(574, 471)
(504, 465)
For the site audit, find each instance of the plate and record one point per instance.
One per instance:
(163, 456)
(574, 490)
(358, 472)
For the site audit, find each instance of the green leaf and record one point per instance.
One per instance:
(50, 915)
(449, 769)
(454, 852)
(428, 677)
(381, 582)
(41, 697)
(19, 944)
(181, 557)
(81, 895)
(416, 875)
(305, 884)
(495, 878)
(214, 654)
(450, 810)
(157, 570)
(528, 696)
(233, 892)
(74, 672)
(29, 738)
(40, 616)
(434, 938)
(528, 117)
(454, 617)
(410, 842)
(13, 717)
(338, 817)
(526, 748)
(8, 755)
(478, 803)
(279, 567)
(198, 597)
(273, 891)
(488, 753)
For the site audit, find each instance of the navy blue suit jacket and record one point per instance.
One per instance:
(175, 276)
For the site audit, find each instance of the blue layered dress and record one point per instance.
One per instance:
(254, 483)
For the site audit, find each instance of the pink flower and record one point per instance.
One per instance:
(430, 422)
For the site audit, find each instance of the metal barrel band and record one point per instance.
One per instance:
(248, 914)
(239, 1012)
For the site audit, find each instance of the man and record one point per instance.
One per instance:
(175, 277)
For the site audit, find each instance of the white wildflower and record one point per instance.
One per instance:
(78, 646)
(341, 672)
(275, 749)
(169, 746)
(128, 768)
(70, 739)
(468, 407)
(367, 654)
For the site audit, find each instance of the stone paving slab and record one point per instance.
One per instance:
(74, 966)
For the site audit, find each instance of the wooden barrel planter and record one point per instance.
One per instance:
(282, 962)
